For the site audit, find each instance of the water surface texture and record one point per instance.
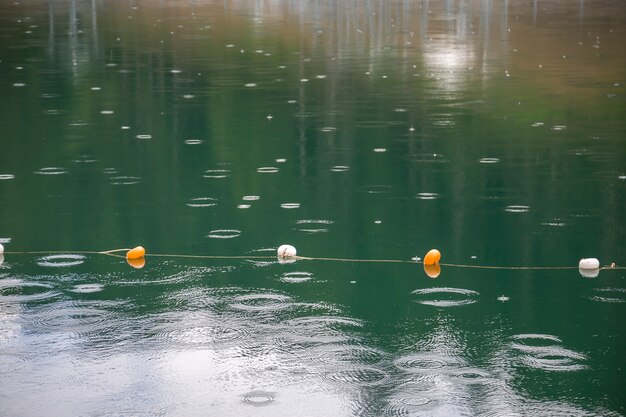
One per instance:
(494, 131)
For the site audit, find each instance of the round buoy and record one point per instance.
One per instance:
(589, 263)
(136, 253)
(432, 270)
(1, 249)
(589, 273)
(286, 251)
(432, 257)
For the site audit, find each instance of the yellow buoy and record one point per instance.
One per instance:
(136, 253)
(136, 262)
(432, 257)
(432, 270)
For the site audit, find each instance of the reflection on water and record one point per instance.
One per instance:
(373, 129)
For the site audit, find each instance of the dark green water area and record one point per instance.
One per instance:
(492, 130)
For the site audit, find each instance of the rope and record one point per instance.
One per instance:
(112, 253)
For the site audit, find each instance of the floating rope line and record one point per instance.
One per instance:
(112, 252)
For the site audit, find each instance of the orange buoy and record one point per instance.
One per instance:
(136, 253)
(432, 257)
(137, 263)
(432, 270)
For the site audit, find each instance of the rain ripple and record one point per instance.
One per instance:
(541, 351)
(312, 225)
(60, 261)
(19, 291)
(445, 297)
(360, 375)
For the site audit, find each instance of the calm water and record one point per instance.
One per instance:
(494, 131)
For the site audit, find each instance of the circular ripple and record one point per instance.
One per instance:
(258, 398)
(489, 160)
(75, 318)
(267, 170)
(202, 202)
(194, 142)
(426, 363)
(203, 335)
(125, 180)
(251, 197)
(427, 196)
(313, 225)
(59, 261)
(346, 353)
(17, 290)
(357, 376)
(470, 376)
(144, 136)
(87, 288)
(224, 234)
(6, 176)
(517, 209)
(290, 205)
(216, 173)
(51, 171)
(262, 302)
(11, 362)
(340, 168)
(445, 297)
(296, 277)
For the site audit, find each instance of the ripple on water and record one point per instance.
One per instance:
(87, 288)
(224, 234)
(541, 351)
(445, 296)
(296, 277)
(61, 260)
(321, 329)
(290, 205)
(413, 400)
(6, 177)
(216, 173)
(194, 142)
(267, 170)
(345, 353)
(427, 363)
(489, 160)
(125, 180)
(259, 398)
(357, 375)
(517, 209)
(18, 291)
(11, 362)
(72, 317)
(50, 171)
(313, 225)
(427, 196)
(202, 202)
(207, 334)
(340, 168)
(609, 295)
(262, 302)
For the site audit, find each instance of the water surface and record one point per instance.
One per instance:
(491, 130)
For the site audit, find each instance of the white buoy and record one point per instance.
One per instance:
(589, 263)
(1, 249)
(286, 251)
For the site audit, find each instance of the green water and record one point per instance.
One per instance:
(493, 131)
